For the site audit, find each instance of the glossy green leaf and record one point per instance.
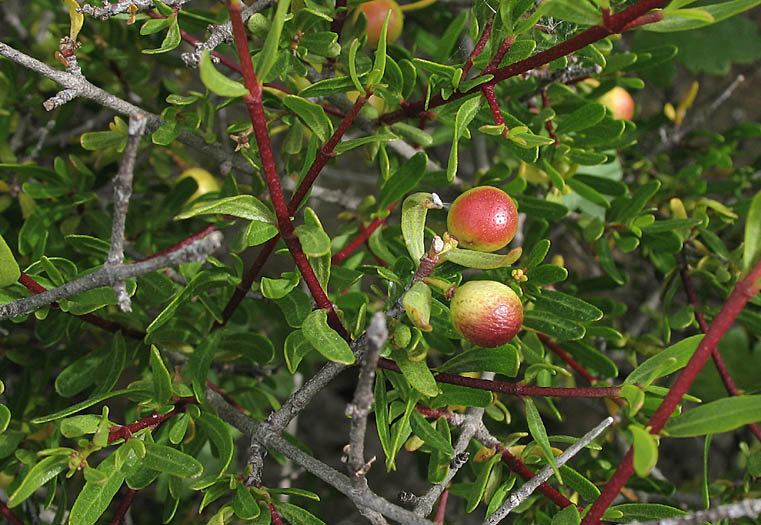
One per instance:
(78, 375)
(585, 117)
(162, 380)
(465, 115)
(260, 232)
(296, 515)
(200, 363)
(539, 433)
(587, 192)
(172, 461)
(482, 260)
(476, 490)
(590, 357)
(541, 208)
(380, 407)
(268, 55)
(605, 255)
(545, 274)
(171, 41)
(73, 409)
(296, 346)
(9, 269)
(567, 306)
(113, 366)
(751, 242)
(417, 304)
(216, 82)
(330, 86)
(45, 470)
(567, 516)
(377, 138)
(312, 114)
(95, 497)
(220, 436)
(553, 325)
(243, 206)
(403, 180)
(715, 417)
(502, 360)
(244, 504)
(579, 483)
(414, 211)
(427, 433)
(644, 512)
(665, 362)
(326, 340)
(717, 12)
(638, 201)
(417, 373)
(645, 450)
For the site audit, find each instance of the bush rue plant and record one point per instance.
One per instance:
(575, 340)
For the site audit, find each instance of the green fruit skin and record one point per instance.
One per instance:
(483, 218)
(486, 313)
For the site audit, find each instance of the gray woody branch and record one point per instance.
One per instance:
(108, 276)
(124, 6)
(122, 194)
(748, 508)
(268, 436)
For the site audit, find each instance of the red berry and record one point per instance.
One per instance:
(483, 218)
(375, 11)
(486, 313)
(619, 102)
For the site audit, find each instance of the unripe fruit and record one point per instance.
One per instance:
(486, 313)
(619, 102)
(206, 181)
(375, 11)
(483, 218)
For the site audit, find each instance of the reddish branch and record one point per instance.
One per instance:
(504, 47)
(324, 155)
(276, 520)
(35, 287)
(123, 507)
(520, 468)
(9, 515)
(562, 354)
(616, 24)
(441, 512)
(496, 113)
(361, 238)
(743, 291)
(513, 389)
(153, 420)
(478, 48)
(718, 360)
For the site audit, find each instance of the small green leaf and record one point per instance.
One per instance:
(585, 117)
(216, 81)
(95, 497)
(645, 450)
(417, 373)
(541, 208)
(465, 115)
(244, 206)
(605, 255)
(296, 515)
(172, 461)
(219, 435)
(295, 306)
(567, 306)
(38, 475)
(548, 323)
(587, 192)
(545, 274)
(414, 211)
(715, 417)
(539, 433)
(279, 288)
(751, 243)
(378, 137)
(73, 409)
(296, 346)
(502, 360)
(644, 512)
(314, 241)
(260, 232)
(312, 114)
(417, 304)
(9, 269)
(482, 260)
(326, 340)
(268, 55)
(171, 40)
(404, 179)
(567, 516)
(427, 433)
(665, 362)
(330, 86)
(162, 380)
(244, 504)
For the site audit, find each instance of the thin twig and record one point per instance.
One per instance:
(528, 488)
(124, 6)
(122, 195)
(750, 508)
(196, 251)
(123, 507)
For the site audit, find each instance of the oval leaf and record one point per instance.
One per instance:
(39, 474)
(9, 269)
(718, 416)
(244, 206)
(216, 81)
(325, 340)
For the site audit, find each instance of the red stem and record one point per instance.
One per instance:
(9, 515)
(616, 24)
(513, 389)
(649, 18)
(496, 113)
(478, 48)
(562, 354)
(504, 47)
(276, 520)
(324, 155)
(124, 507)
(340, 17)
(743, 291)
(360, 239)
(721, 366)
(520, 468)
(441, 512)
(259, 121)
(153, 420)
(189, 240)
(549, 126)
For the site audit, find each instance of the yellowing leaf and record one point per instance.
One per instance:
(77, 18)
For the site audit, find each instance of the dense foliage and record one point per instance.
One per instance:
(156, 366)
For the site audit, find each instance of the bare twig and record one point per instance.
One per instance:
(122, 194)
(124, 6)
(107, 276)
(528, 488)
(748, 508)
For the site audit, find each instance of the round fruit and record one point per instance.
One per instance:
(619, 102)
(206, 181)
(483, 218)
(375, 11)
(486, 313)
